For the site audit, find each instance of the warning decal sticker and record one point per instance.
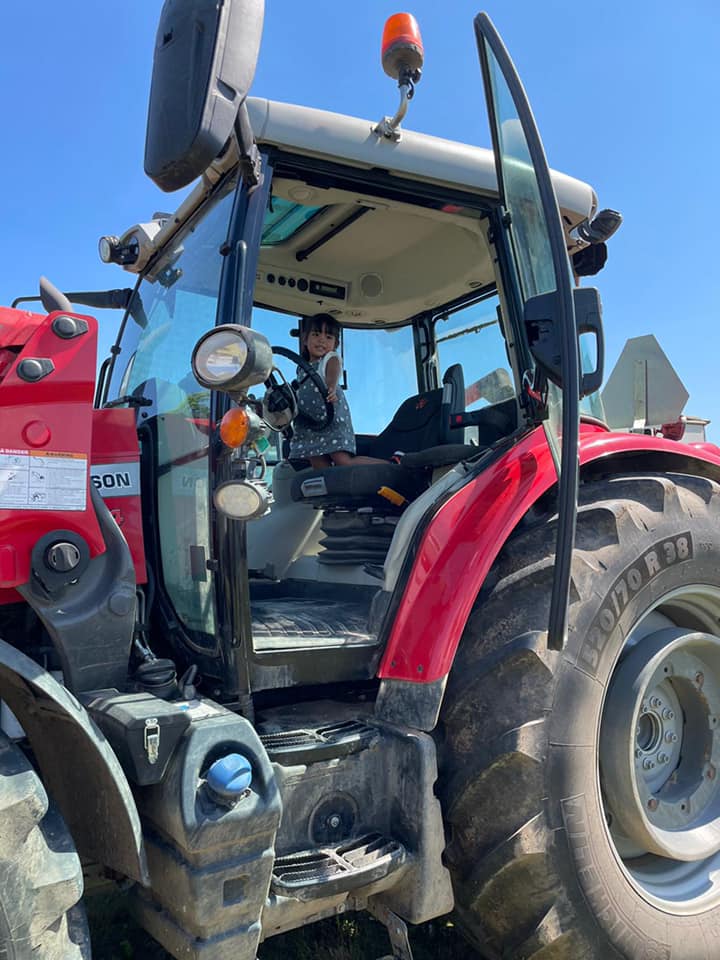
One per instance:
(42, 480)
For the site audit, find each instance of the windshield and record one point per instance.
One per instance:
(179, 305)
(379, 366)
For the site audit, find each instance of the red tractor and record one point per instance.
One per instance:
(476, 667)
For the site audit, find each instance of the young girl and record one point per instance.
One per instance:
(335, 444)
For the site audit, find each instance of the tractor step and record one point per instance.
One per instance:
(288, 747)
(312, 874)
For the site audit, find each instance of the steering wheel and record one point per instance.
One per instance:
(317, 382)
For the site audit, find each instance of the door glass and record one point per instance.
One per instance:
(178, 306)
(540, 255)
(529, 234)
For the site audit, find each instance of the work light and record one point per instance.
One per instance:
(242, 499)
(232, 358)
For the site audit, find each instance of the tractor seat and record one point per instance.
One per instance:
(421, 423)
(358, 486)
(361, 504)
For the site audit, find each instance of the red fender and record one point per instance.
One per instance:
(460, 544)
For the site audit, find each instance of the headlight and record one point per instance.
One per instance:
(232, 358)
(242, 499)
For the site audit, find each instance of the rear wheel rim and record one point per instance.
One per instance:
(660, 753)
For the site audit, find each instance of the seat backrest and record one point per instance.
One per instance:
(453, 400)
(415, 426)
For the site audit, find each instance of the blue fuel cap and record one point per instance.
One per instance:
(229, 777)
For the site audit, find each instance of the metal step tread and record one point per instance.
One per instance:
(311, 874)
(312, 622)
(322, 743)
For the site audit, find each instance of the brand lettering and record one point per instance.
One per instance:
(659, 557)
(116, 479)
(111, 481)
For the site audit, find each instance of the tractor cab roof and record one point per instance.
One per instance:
(416, 156)
(373, 230)
(378, 250)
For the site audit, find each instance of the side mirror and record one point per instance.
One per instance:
(544, 337)
(588, 320)
(204, 64)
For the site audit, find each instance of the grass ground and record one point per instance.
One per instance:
(117, 937)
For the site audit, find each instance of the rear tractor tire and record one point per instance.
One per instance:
(41, 881)
(581, 788)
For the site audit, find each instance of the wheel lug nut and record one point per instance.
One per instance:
(638, 752)
(648, 764)
(656, 702)
(671, 737)
(663, 758)
(668, 714)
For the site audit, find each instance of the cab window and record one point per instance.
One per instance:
(472, 337)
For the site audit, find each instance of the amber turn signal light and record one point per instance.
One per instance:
(234, 428)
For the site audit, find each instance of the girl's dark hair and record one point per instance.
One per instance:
(316, 324)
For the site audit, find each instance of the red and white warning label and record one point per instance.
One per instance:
(42, 480)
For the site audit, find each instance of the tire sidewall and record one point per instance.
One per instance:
(611, 600)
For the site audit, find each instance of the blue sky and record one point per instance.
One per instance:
(625, 95)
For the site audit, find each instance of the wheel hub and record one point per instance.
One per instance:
(660, 746)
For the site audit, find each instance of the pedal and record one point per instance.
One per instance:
(312, 874)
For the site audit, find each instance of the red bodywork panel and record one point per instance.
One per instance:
(465, 536)
(115, 474)
(45, 441)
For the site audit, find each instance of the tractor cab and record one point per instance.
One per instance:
(399, 240)
(464, 658)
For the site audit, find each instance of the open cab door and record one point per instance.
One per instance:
(544, 281)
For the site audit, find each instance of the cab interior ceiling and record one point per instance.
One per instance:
(388, 259)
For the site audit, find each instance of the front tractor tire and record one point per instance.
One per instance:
(581, 788)
(40, 874)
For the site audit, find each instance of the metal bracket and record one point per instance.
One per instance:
(152, 739)
(388, 127)
(397, 931)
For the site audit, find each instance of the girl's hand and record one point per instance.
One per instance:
(332, 396)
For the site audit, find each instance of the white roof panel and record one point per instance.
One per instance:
(417, 156)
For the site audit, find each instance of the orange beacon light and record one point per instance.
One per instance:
(402, 48)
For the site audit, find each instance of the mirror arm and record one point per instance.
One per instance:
(250, 160)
